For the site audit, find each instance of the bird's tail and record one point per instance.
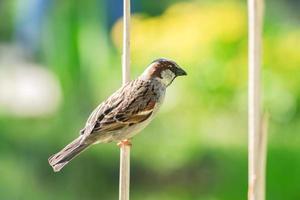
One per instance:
(60, 159)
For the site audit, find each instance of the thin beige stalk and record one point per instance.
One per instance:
(126, 42)
(256, 141)
(125, 146)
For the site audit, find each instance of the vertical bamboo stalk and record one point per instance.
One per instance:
(124, 171)
(125, 145)
(255, 144)
(126, 42)
(262, 155)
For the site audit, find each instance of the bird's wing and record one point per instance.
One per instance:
(132, 104)
(104, 108)
(137, 106)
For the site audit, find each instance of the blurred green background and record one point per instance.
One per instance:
(59, 59)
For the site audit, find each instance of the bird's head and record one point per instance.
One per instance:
(163, 70)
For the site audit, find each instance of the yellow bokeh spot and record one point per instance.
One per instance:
(185, 31)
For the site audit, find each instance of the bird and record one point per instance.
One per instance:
(125, 113)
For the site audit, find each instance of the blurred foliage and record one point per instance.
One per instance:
(196, 148)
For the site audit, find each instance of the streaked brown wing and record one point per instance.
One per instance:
(136, 107)
(119, 121)
(104, 108)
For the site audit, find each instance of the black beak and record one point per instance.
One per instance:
(180, 72)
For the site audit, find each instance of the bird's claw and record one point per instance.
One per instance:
(124, 143)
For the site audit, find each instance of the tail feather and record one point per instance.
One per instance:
(60, 159)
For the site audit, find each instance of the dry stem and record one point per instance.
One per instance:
(256, 135)
(125, 145)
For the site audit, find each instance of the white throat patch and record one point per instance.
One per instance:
(167, 77)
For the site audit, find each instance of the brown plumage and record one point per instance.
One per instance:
(125, 112)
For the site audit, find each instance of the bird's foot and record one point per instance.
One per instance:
(126, 142)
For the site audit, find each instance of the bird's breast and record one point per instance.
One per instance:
(131, 131)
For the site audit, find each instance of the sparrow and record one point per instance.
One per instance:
(125, 113)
